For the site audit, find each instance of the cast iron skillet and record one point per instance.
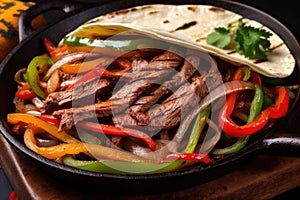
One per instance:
(75, 14)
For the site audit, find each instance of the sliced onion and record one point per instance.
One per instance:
(19, 76)
(53, 82)
(34, 113)
(37, 102)
(69, 58)
(241, 115)
(209, 144)
(22, 107)
(67, 83)
(46, 140)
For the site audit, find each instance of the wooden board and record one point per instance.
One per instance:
(261, 177)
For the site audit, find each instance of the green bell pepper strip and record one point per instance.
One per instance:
(146, 167)
(111, 44)
(256, 104)
(31, 75)
(197, 129)
(117, 167)
(267, 101)
(238, 145)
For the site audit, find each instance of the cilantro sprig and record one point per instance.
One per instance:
(249, 41)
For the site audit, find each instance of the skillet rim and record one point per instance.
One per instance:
(196, 169)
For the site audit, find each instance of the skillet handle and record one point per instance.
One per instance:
(283, 144)
(25, 19)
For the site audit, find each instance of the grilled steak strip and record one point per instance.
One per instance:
(189, 67)
(178, 105)
(154, 72)
(86, 92)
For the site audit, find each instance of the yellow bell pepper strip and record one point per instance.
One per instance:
(32, 75)
(14, 118)
(85, 66)
(52, 152)
(55, 53)
(63, 149)
(25, 92)
(114, 130)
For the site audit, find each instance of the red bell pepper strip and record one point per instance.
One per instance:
(55, 52)
(196, 157)
(101, 71)
(114, 130)
(96, 72)
(25, 92)
(50, 118)
(242, 73)
(281, 105)
(234, 130)
(123, 63)
(256, 78)
(16, 128)
(13, 196)
(228, 125)
(276, 110)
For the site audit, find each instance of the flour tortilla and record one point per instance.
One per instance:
(195, 23)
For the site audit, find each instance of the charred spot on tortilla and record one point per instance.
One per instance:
(231, 52)
(166, 21)
(193, 8)
(217, 10)
(124, 11)
(153, 12)
(186, 26)
(260, 61)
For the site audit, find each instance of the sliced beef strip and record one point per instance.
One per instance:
(86, 92)
(189, 67)
(154, 72)
(178, 105)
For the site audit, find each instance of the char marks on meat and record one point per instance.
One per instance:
(189, 67)
(79, 95)
(156, 71)
(170, 112)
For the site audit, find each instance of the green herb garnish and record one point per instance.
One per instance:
(221, 37)
(251, 42)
